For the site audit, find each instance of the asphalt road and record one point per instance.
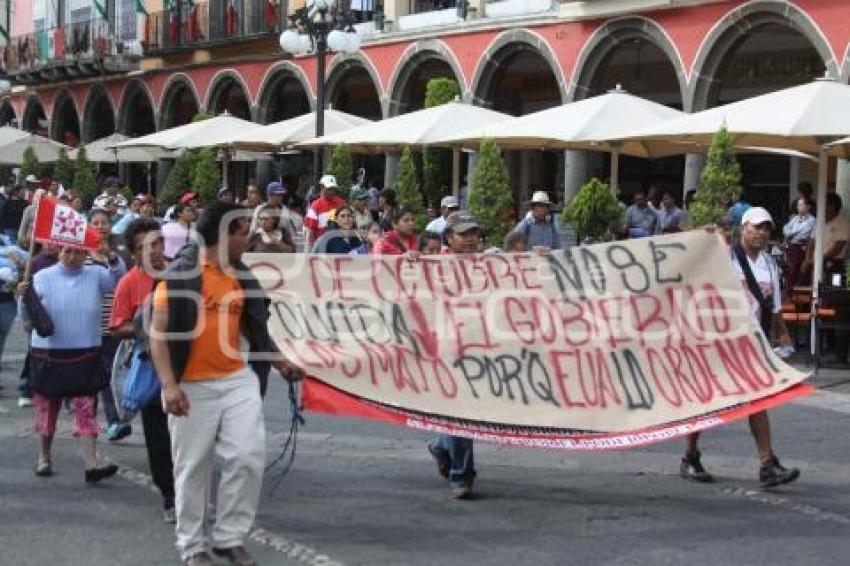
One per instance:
(362, 493)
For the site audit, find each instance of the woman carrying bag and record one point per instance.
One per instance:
(67, 366)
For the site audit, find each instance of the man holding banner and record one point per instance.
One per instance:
(759, 275)
(454, 454)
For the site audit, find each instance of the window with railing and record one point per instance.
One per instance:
(188, 24)
(79, 40)
(420, 6)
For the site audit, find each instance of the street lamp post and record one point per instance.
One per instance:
(320, 27)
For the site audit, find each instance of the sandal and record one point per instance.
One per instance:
(43, 469)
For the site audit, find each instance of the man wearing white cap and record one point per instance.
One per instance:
(540, 227)
(322, 210)
(759, 275)
(448, 205)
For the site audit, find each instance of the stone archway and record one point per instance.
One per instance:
(284, 94)
(758, 48)
(422, 62)
(7, 114)
(353, 87)
(229, 94)
(521, 60)
(739, 32)
(34, 119)
(518, 76)
(64, 121)
(136, 116)
(98, 116)
(179, 103)
(637, 55)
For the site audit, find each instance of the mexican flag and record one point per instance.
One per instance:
(60, 224)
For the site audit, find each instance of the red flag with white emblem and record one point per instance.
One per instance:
(57, 223)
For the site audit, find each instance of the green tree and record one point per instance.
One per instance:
(435, 162)
(490, 196)
(84, 184)
(720, 182)
(178, 179)
(342, 167)
(407, 188)
(594, 212)
(30, 164)
(205, 177)
(201, 116)
(63, 170)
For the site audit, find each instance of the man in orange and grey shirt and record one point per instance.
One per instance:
(207, 301)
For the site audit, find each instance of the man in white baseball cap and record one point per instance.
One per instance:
(759, 276)
(540, 227)
(322, 210)
(448, 205)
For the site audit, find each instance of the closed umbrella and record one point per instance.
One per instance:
(804, 118)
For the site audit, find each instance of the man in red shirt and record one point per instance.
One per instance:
(322, 210)
(144, 241)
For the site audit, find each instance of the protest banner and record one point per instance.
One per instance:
(604, 346)
(57, 223)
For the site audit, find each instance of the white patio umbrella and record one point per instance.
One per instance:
(419, 128)
(281, 135)
(205, 133)
(9, 134)
(804, 118)
(104, 150)
(590, 124)
(46, 150)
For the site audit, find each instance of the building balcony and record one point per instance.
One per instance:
(188, 27)
(67, 52)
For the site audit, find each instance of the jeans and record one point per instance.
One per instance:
(11, 234)
(460, 455)
(8, 312)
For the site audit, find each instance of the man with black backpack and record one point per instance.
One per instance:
(759, 275)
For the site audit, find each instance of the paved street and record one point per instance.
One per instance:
(362, 493)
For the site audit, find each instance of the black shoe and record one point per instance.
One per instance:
(199, 559)
(691, 469)
(94, 475)
(43, 469)
(775, 473)
(236, 555)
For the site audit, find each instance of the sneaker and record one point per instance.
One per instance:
(442, 459)
(236, 555)
(691, 469)
(117, 431)
(169, 515)
(775, 473)
(94, 475)
(43, 469)
(24, 402)
(462, 489)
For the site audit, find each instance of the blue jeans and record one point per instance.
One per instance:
(110, 345)
(460, 455)
(12, 234)
(8, 312)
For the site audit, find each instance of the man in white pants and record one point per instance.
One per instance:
(207, 300)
